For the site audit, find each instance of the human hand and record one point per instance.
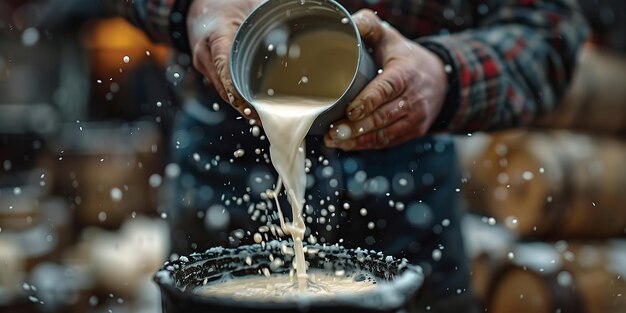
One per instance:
(211, 25)
(399, 104)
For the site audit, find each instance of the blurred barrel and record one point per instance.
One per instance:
(12, 271)
(105, 168)
(34, 229)
(487, 247)
(596, 98)
(470, 155)
(548, 278)
(555, 184)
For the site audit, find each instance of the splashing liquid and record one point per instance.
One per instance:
(300, 79)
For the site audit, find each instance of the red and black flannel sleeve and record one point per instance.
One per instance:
(514, 65)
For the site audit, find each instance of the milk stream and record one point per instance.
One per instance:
(286, 126)
(300, 80)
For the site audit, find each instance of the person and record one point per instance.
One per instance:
(391, 184)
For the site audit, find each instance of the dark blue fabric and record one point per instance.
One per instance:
(421, 174)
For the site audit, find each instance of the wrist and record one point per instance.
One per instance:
(451, 93)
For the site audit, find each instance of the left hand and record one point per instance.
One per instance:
(399, 104)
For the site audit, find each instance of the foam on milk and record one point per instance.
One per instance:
(279, 288)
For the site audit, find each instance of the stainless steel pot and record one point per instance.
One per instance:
(296, 17)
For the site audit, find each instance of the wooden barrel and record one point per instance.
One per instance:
(579, 279)
(595, 100)
(556, 184)
(470, 153)
(487, 247)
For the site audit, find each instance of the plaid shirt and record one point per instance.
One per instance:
(509, 60)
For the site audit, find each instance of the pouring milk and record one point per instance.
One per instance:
(301, 80)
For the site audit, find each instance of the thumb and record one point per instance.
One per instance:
(369, 25)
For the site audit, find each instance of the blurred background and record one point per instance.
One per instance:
(86, 107)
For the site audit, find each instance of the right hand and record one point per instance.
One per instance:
(211, 25)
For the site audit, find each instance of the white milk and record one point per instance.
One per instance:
(300, 80)
(286, 126)
(279, 288)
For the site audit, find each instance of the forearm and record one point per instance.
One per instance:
(513, 67)
(162, 20)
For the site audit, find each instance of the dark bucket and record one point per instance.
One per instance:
(398, 281)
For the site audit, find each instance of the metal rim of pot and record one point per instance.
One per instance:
(392, 293)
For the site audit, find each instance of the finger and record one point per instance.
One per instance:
(203, 62)
(393, 135)
(382, 117)
(383, 88)
(369, 25)
(220, 46)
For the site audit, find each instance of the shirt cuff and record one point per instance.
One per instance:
(451, 102)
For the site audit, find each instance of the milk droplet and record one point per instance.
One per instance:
(343, 131)
(436, 255)
(30, 37)
(126, 59)
(345, 20)
(528, 175)
(247, 111)
(216, 106)
(257, 238)
(116, 194)
(155, 180)
(270, 92)
(256, 131)
(239, 153)
(511, 255)
(363, 211)
(564, 279)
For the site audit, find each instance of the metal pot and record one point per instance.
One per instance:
(293, 18)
